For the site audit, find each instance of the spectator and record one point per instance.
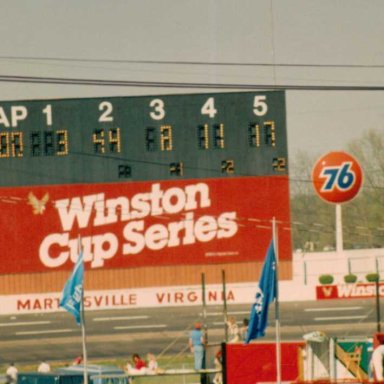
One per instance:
(233, 330)
(139, 363)
(196, 345)
(153, 367)
(377, 362)
(139, 367)
(11, 374)
(44, 367)
(244, 329)
(78, 360)
(218, 379)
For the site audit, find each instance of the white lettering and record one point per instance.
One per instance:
(189, 224)
(96, 249)
(104, 247)
(136, 240)
(156, 197)
(174, 200)
(106, 211)
(3, 118)
(18, 113)
(192, 191)
(77, 211)
(206, 228)
(227, 224)
(156, 237)
(352, 290)
(95, 210)
(175, 232)
(44, 252)
(140, 204)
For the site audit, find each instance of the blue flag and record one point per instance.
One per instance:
(73, 290)
(265, 295)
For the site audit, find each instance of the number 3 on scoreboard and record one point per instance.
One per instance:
(158, 112)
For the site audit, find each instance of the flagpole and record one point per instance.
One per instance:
(277, 307)
(84, 342)
(85, 357)
(225, 304)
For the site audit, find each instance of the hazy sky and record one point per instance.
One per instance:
(338, 32)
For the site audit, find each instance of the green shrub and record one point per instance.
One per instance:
(350, 278)
(372, 277)
(326, 279)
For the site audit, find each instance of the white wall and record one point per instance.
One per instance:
(307, 267)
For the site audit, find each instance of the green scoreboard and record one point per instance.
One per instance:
(119, 139)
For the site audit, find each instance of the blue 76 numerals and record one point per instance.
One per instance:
(339, 177)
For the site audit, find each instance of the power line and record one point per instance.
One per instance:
(191, 85)
(194, 63)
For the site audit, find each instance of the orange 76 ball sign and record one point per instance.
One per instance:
(337, 177)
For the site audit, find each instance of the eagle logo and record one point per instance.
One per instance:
(38, 206)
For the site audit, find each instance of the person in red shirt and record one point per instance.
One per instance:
(138, 368)
(78, 360)
(139, 363)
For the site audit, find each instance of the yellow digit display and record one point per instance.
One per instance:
(203, 136)
(270, 133)
(11, 144)
(17, 147)
(62, 142)
(114, 140)
(98, 140)
(219, 136)
(176, 169)
(4, 144)
(166, 142)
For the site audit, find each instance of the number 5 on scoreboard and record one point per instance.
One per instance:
(260, 106)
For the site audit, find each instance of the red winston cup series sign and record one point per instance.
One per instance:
(137, 224)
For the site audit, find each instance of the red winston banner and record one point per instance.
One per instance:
(349, 291)
(122, 225)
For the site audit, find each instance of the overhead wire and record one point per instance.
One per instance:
(183, 85)
(193, 62)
